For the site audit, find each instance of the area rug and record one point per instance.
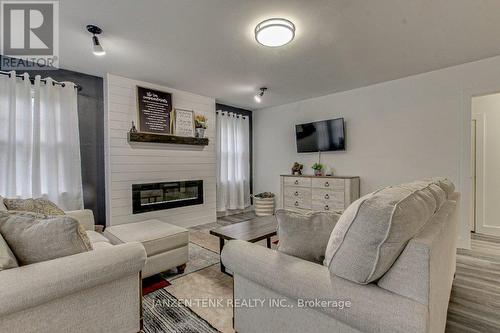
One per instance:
(199, 258)
(212, 285)
(164, 313)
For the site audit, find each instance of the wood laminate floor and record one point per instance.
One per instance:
(475, 296)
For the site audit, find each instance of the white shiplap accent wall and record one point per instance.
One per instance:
(129, 164)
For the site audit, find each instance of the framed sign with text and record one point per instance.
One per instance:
(154, 109)
(184, 122)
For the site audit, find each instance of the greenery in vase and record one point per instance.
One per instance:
(317, 166)
(200, 121)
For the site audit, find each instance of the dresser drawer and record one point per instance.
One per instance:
(297, 192)
(297, 181)
(303, 203)
(325, 206)
(328, 183)
(327, 195)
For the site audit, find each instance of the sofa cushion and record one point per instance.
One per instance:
(373, 231)
(39, 206)
(96, 237)
(101, 245)
(305, 236)
(34, 238)
(84, 216)
(7, 258)
(156, 236)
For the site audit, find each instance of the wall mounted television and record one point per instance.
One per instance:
(326, 135)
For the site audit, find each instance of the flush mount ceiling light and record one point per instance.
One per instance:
(274, 32)
(258, 97)
(96, 45)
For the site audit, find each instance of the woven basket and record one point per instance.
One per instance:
(263, 206)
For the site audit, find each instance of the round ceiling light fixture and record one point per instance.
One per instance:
(274, 32)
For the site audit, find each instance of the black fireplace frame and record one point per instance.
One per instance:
(136, 196)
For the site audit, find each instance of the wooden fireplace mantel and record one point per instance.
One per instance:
(163, 138)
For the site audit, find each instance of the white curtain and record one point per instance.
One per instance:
(233, 162)
(39, 141)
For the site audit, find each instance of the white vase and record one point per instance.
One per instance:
(200, 132)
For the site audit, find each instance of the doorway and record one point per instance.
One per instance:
(485, 166)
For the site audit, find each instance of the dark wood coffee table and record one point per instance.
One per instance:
(252, 231)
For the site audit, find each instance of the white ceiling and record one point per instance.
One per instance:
(207, 46)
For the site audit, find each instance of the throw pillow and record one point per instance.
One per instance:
(373, 231)
(7, 258)
(39, 206)
(2, 205)
(305, 236)
(34, 238)
(446, 184)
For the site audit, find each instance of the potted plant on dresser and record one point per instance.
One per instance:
(318, 169)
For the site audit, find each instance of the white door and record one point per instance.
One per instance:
(472, 225)
(486, 115)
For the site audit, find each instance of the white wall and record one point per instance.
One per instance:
(486, 111)
(397, 131)
(129, 164)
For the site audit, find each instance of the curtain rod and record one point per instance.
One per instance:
(32, 80)
(232, 114)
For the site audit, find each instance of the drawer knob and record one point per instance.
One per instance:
(327, 184)
(296, 193)
(297, 182)
(296, 204)
(327, 196)
(327, 208)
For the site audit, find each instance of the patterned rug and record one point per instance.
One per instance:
(164, 313)
(202, 279)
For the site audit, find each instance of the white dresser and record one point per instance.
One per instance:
(318, 193)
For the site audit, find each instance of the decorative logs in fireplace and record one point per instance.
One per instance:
(157, 196)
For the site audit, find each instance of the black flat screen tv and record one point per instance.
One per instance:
(326, 135)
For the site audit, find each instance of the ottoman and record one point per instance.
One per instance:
(166, 244)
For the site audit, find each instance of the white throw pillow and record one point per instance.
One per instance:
(305, 236)
(7, 258)
(373, 231)
(34, 238)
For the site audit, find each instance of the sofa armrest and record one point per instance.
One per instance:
(373, 309)
(32, 285)
(85, 217)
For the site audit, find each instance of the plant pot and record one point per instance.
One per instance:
(263, 206)
(318, 172)
(200, 132)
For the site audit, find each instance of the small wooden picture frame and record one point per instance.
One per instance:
(184, 123)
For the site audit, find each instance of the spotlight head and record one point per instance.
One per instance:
(96, 45)
(258, 97)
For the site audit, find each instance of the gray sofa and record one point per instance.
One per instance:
(412, 296)
(96, 291)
